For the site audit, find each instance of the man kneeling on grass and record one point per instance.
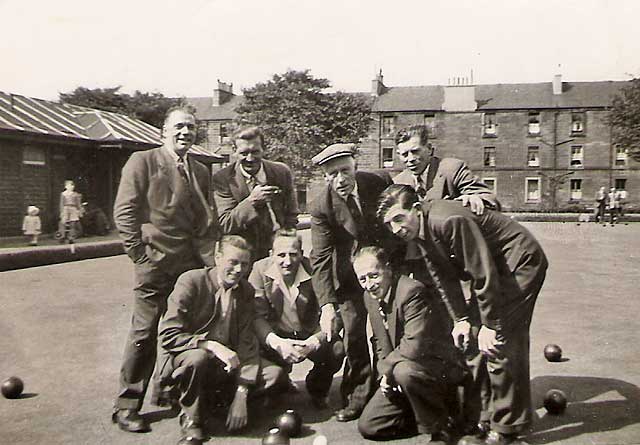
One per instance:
(208, 332)
(288, 316)
(420, 367)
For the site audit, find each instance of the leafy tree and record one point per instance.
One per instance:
(298, 118)
(625, 118)
(148, 107)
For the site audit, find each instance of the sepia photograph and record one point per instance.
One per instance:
(286, 222)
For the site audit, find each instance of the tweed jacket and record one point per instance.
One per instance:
(502, 259)
(162, 218)
(191, 310)
(448, 178)
(418, 327)
(270, 299)
(238, 216)
(335, 236)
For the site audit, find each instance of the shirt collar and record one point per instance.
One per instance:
(261, 176)
(174, 155)
(274, 273)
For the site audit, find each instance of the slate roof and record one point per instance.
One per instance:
(503, 96)
(206, 111)
(30, 115)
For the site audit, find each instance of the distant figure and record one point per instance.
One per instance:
(70, 212)
(94, 221)
(614, 205)
(31, 225)
(601, 204)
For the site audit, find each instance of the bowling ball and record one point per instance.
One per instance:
(555, 401)
(275, 437)
(552, 353)
(290, 423)
(12, 388)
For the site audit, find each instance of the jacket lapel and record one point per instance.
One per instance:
(237, 185)
(393, 316)
(343, 215)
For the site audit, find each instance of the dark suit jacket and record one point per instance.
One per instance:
(190, 314)
(334, 237)
(160, 217)
(419, 328)
(239, 217)
(450, 178)
(269, 305)
(502, 259)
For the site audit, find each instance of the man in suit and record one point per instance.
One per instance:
(439, 178)
(254, 196)
(287, 316)
(420, 367)
(168, 226)
(208, 333)
(506, 267)
(342, 220)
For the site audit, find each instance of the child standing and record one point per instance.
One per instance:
(31, 225)
(70, 212)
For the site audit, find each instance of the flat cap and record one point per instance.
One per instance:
(334, 151)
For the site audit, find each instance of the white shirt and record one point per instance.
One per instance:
(260, 177)
(289, 322)
(176, 158)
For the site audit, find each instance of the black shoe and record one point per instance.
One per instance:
(347, 414)
(130, 420)
(442, 437)
(192, 432)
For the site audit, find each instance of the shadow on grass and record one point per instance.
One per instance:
(607, 412)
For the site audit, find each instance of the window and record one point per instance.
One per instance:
(533, 156)
(387, 157)
(430, 123)
(534, 123)
(577, 123)
(491, 183)
(532, 189)
(621, 184)
(34, 156)
(621, 156)
(576, 190)
(224, 133)
(489, 126)
(388, 125)
(577, 156)
(489, 156)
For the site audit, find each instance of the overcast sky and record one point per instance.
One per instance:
(180, 48)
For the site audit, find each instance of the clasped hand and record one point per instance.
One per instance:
(263, 193)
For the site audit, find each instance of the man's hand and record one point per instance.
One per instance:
(488, 343)
(388, 388)
(475, 203)
(308, 346)
(237, 417)
(288, 349)
(226, 355)
(461, 334)
(263, 193)
(328, 318)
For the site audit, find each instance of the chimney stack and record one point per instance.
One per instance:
(222, 94)
(557, 84)
(377, 85)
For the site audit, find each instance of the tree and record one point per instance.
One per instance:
(625, 118)
(298, 118)
(148, 107)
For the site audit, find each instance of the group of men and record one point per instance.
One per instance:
(226, 302)
(612, 201)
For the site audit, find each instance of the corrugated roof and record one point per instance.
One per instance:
(206, 111)
(26, 114)
(503, 96)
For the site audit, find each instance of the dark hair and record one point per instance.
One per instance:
(401, 194)
(185, 108)
(288, 233)
(377, 252)
(248, 134)
(234, 240)
(404, 134)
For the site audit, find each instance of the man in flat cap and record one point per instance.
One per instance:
(343, 220)
(254, 196)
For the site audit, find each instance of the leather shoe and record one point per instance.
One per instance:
(347, 414)
(192, 433)
(442, 437)
(130, 420)
(190, 440)
(496, 438)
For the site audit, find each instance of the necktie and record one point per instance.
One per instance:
(382, 309)
(182, 170)
(421, 190)
(352, 205)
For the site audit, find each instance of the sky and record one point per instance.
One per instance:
(181, 48)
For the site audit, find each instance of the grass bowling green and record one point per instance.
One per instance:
(63, 330)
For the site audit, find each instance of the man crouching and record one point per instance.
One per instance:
(208, 332)
(418, 363)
